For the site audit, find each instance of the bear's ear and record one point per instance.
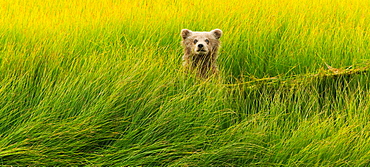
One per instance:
(217, 33)
(185, 33)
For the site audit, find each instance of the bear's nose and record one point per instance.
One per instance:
(200, 45)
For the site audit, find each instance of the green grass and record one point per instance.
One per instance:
(100, 83)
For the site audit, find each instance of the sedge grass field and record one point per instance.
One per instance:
(100, 83)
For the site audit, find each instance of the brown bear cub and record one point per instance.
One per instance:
(200, 51)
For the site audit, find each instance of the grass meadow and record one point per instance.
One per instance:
(100, 83)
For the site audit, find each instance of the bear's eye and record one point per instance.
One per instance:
(195, 41)
(207, 41)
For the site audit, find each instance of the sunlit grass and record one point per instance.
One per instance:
(101, 83)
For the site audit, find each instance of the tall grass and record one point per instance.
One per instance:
(100, 83)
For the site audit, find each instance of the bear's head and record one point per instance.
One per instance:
(201, 43)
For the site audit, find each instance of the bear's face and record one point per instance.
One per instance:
(200, 43)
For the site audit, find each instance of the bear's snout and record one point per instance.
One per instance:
(201, 48)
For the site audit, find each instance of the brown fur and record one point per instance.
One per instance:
(201, 51)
